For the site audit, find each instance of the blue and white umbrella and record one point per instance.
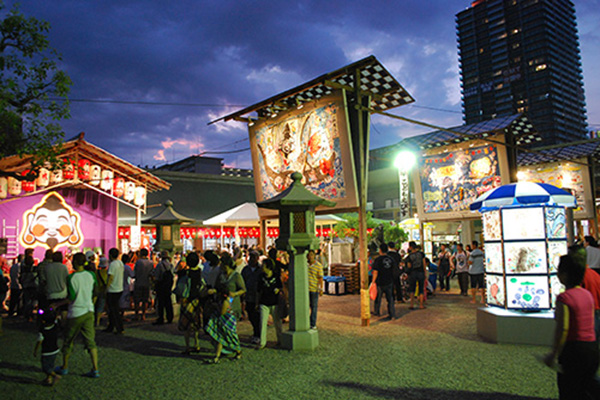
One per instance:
(525, 194)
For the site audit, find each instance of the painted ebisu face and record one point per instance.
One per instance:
(51, 223)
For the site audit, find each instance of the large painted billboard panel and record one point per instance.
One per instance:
(451, 181)
(313, 141)
(62, 219)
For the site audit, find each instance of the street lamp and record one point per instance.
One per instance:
(405, 160)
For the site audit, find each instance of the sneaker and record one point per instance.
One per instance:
(92, 374)
(60, 371)
(255, 340)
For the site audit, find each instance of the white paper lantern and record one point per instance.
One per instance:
(14, 186)
(3, 188)
(107, 180)
(56, 176)
(140, 196)
(95, 175)
(43, 178)
(129, 191)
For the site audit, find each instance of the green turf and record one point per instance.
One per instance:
(428, 354)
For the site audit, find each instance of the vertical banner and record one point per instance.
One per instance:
(135, 237)
(404, 195)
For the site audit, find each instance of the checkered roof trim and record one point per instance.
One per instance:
(516, 124)
(388, 93)
(560, 153)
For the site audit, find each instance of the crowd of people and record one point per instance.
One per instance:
(403, 276)
(69, 295)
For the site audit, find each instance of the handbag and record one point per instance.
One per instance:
(373, 291)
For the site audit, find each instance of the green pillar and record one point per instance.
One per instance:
(296, 207)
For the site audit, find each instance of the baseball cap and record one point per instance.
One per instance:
(90, 255)
(103, 262)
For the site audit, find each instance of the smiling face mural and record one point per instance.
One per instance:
(51, 223)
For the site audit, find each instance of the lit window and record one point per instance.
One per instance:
(540, 67)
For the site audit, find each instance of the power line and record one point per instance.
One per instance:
(145, 103)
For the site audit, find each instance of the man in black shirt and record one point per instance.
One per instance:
(416, 267)
(393, 253)
(383, 277)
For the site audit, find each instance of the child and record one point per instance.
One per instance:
(48, 341)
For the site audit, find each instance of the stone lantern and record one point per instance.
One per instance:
(296, 207)
(168, 224)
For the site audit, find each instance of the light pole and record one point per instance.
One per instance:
(405, 160)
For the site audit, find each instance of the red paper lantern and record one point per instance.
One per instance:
(69, 169)
(84, 169)
(118, 187)
(28, 186)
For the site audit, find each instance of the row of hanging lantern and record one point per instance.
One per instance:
(87, 172)
(211, 233)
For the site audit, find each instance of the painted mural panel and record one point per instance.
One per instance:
(495, 292)
(525, 257)
(493, 257)
(523, 223)
(556, 223)
(527, 292)
(572, 176)
(312, 141)
(62, 219)
(452, 181)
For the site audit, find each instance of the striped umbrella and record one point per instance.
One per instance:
(523, 193)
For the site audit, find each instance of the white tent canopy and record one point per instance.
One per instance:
(246, 214)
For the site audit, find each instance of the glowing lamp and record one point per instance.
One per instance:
(107, 178)
(95, 175)
(69, 169)
(84, 169)
(3, 188)
(119, 187)
(56, 176)
(129, 191)
(140, 196)
(14, 186)
(43, 178)
(27, 186)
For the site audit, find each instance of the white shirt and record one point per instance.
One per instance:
(116, 270)
(81, 290)
(593, 257)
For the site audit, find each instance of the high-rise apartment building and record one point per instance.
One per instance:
(523, 56)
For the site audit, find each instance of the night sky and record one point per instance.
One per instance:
(223, 55)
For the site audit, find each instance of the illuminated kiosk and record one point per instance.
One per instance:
(296, 207)
(525, 233)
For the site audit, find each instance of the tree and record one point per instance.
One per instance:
(30, 84)
(349, 229)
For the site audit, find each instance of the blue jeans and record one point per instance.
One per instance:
(388, 290)
(313, 298)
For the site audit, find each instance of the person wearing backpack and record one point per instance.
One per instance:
(416, 266)
(163, 278)
(191, 287)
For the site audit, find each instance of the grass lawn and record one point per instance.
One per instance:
(424, 354)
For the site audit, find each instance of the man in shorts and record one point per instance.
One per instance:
(416, 267)
(80, 318)
(476, 270)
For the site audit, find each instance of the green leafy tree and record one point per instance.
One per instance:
(349, 229)
(30, 83)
